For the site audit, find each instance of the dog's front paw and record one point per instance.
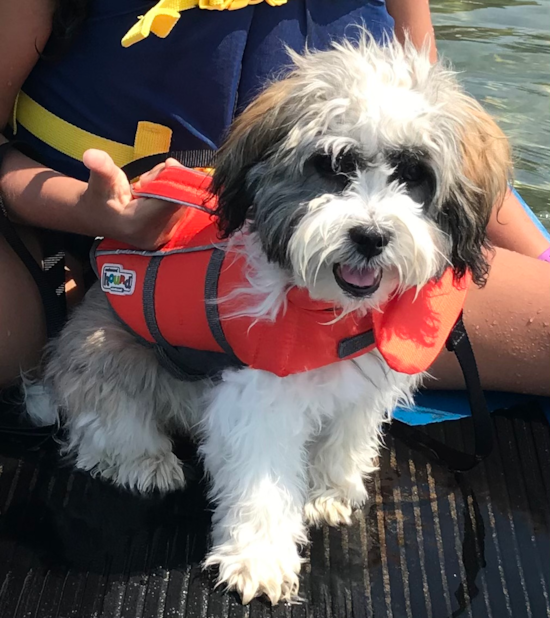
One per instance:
(332, 508)
(253, 570)
(329, 510)
(162, 472)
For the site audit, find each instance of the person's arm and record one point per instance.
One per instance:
(25, 27)
(413, 18)
(38, 196)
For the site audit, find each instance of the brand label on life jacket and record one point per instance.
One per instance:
(116, 280)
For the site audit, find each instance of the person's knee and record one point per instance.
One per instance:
(508, 322)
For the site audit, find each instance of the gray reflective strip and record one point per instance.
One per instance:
(165, 352)
(211, 300)
(163, 198)
(156, 253)
(352, 345)
(93, 253)
(174, 359)
(149, 301)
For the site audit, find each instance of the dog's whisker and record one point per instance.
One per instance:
(446, 259)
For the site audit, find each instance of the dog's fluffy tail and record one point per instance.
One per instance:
(39, 403)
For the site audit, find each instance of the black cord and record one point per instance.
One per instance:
(458, 461)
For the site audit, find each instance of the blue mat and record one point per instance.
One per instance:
(437, 406)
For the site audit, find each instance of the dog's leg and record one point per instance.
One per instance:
(115, 401)
(254, 451)
(120, 441)
(342, 455)
(346, 450)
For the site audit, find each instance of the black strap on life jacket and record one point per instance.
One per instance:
(50, 283)
(185, 363)
(459, 461)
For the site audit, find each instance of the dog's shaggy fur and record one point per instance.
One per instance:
(367, 171)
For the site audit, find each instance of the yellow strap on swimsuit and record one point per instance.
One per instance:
(163, 16)
(150, 138)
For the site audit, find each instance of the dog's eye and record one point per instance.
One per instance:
(409, 168)
(411, 172)
(343, 164)
(346, 162)
(323, 164)
(415, 173)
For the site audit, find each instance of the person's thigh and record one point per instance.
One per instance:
(508, 322)
(22, 323)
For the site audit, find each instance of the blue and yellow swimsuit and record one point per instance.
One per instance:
(182, 90)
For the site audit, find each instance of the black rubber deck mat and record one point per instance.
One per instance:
(429, 544)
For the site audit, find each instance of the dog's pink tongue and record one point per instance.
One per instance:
(361, 278)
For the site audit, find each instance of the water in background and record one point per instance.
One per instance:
(502, 49)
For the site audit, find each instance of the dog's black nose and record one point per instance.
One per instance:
(368, 242)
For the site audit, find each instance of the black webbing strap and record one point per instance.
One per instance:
(459, 461)
(189, 158)
(211, 296)
(52, 301)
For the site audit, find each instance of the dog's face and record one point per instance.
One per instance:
(366, 171)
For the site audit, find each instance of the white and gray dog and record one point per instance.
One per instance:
(366, 172)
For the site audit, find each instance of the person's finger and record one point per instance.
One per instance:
(171, 162)
(152, 173)
(104, 174)
(155, 171)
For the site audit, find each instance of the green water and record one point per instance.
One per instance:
(502, 49)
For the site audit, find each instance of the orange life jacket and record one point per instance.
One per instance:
(175, 299)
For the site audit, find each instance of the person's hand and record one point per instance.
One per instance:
(145, 223)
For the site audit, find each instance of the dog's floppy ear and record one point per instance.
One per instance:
(481, 186)
(253, 136)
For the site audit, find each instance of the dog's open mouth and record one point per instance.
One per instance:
(357, 282)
